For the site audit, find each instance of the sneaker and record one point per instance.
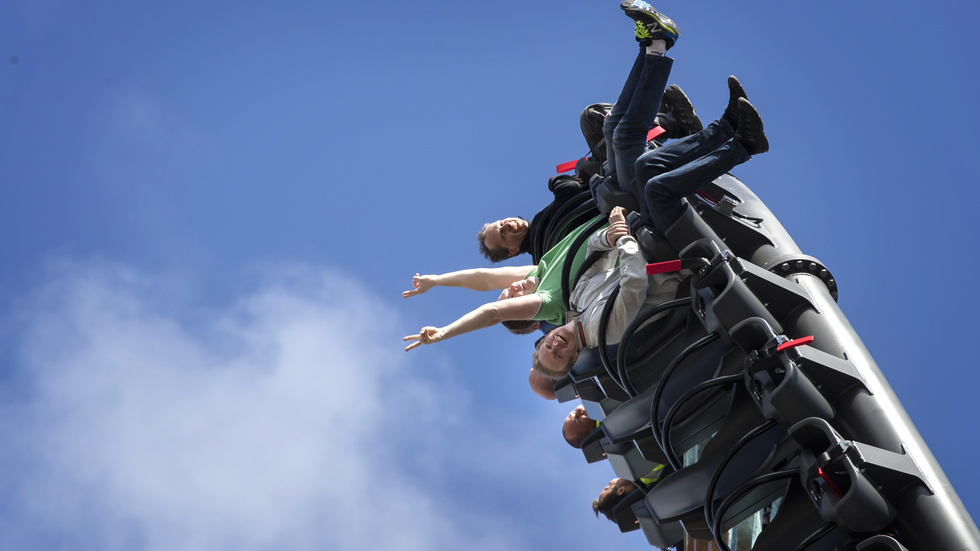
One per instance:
(735, 91)
(750, 132)
(672, 129)
(679, 106)
(650, 24)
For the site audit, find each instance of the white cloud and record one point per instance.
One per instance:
(140, 421)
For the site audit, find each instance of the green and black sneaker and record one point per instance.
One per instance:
(651, 24)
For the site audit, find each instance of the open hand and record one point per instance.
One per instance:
(421, 284)
(428, 335)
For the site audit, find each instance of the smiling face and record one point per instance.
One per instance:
(577, 426)
(559, 349)
(520, 288)
(505, 235)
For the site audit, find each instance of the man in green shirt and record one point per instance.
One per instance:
(534, 292)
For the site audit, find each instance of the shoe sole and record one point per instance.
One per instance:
(735, 88)
(643, 13)
(763, 145)
(675, 97)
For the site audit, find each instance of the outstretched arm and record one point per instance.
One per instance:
(492, 313)
(476, 279)
(605, 240)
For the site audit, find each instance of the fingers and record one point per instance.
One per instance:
(615, 231)
(414, 344)
(425, 336)
(617, 214)
(418, 289)
(619, 227)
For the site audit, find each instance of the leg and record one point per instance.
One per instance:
(678, 153)
(619, 108)
(630, 135)
(663, 192)
(676, 171)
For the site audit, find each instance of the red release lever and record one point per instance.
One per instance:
(830, 482)
(565, 167)
(664, 267)
(676, 265)
(655, 132)
(794, 343)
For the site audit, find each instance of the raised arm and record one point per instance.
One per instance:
(605, 240)
(476, 279)
(492, 313)
(632, 292)
(632, 287)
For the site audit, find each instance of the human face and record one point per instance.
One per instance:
(520, 288)
(559, 349)
(577, 424)
(618, 486)
(506, 234)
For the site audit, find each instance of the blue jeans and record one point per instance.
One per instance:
(682, 167)
(627, 124)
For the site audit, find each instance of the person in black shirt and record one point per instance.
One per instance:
(510, 237)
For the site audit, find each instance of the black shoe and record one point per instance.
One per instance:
(750, 133)
(679, 106)
(670, 126)
(735, 91)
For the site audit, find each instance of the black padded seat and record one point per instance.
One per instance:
(881, 543)
(634, 424)
(577, 211)
(565, 389)
(795, 521)
(655, 247)
(681, 496)
(668, 534)
(589, 378)
(591, 447)
(680, 329)
(608, 194)
(623, 514)
(627, 461)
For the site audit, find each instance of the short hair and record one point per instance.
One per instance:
(540, 367)
(606, 506)
(520, 327)
(493, 255)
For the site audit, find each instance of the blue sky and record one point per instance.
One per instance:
(208, 211)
